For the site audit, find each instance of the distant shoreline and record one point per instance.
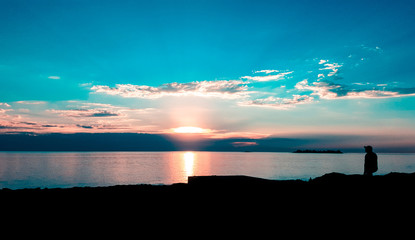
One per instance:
(318, 151)
(231, 151)
(165, 142)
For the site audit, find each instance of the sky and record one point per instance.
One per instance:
(219, 69)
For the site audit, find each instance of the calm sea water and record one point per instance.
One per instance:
(69, 169)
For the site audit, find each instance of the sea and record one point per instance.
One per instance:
(20, 170)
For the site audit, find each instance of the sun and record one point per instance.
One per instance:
(190, 130)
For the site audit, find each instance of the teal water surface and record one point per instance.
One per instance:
(68, 169)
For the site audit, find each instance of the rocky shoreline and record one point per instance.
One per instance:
(225, 199)
(228, 185)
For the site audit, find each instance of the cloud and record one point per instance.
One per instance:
(76, 116)
(321, 89)
(12, 124)
(85, 113)
(31, 102)
(249, 135)
(333, 67)
(279, 103)
(244, 144)
(375, 49)
(103, 113)
(231, 89)
(267, 78)
(375, 94)
(54, 77)
(85, 126)
(361, 84)
(267, 71)
(329, 90)
(4, 104)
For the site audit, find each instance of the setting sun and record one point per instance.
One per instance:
(190, 130)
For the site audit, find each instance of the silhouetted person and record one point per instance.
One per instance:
(371, 161)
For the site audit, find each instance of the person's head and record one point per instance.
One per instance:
(368, 149)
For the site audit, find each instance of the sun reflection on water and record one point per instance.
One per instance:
(189, 160)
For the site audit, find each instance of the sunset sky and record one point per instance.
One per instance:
(221, 69)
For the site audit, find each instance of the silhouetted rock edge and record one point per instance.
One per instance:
(240, 183)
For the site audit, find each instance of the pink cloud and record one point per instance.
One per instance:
(249, 135)
(244, 144)
(4, 104)
(85, 113)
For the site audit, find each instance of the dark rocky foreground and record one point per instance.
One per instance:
(226, 206)
(237, 188)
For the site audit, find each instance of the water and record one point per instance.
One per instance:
(69, 169)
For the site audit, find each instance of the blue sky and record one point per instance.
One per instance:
(234, 68)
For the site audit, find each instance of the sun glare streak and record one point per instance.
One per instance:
(190, 130)
(189, 160)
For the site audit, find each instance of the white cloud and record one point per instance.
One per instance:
(267, 71)
(376, 49)
(361, 84)
(327, 90)
(232, 89)
(31, 102)
(85, 84)
(333, 67)
(322, 89)
(267, 78)
(279, 103)
(374, 94)
(54, 77)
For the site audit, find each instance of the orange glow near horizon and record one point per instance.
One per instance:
(190, 130)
